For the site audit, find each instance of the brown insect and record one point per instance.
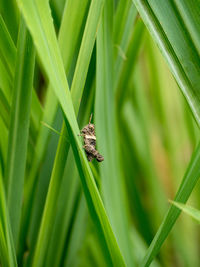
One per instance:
(88, 133)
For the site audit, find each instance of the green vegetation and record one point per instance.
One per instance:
(134, 65)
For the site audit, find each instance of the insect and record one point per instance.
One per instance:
(89, 136)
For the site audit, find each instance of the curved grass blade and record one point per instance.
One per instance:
(38, 18)
(19, 126)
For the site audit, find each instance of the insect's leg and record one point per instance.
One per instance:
(99, 157)
(90, 149)
(90, 157)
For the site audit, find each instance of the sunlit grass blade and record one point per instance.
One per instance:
(7, 251)
(19, 127)
(189, 181)
(192, 212)
(38, 19)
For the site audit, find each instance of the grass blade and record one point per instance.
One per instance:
(112, 184)
(12, 17)
(7, 251)
(19, 127)
(8, 57)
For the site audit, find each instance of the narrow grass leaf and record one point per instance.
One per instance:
(19, 126)
(7, 251)
(11, 18)
(112, 184)
(8, 57)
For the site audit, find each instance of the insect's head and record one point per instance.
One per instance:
(84, 130)
(91, 127)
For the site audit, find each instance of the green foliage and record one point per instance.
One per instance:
(97, 57)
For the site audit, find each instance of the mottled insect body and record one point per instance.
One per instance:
(88, 133)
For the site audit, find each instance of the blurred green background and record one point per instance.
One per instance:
(59, 64)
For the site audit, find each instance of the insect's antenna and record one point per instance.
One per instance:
(90, 118)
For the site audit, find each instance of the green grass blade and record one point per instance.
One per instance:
(123, 28)
(8, 58)
(3, 144)
(38, 18)
(19, 127)
(177, 47)
(77, 237)
(7, 47)
(11, 18)
(133, 49)
(5, 109)
(7, 251)
(192, 212)
(189, 181)
(112, 183)
(189, 11)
